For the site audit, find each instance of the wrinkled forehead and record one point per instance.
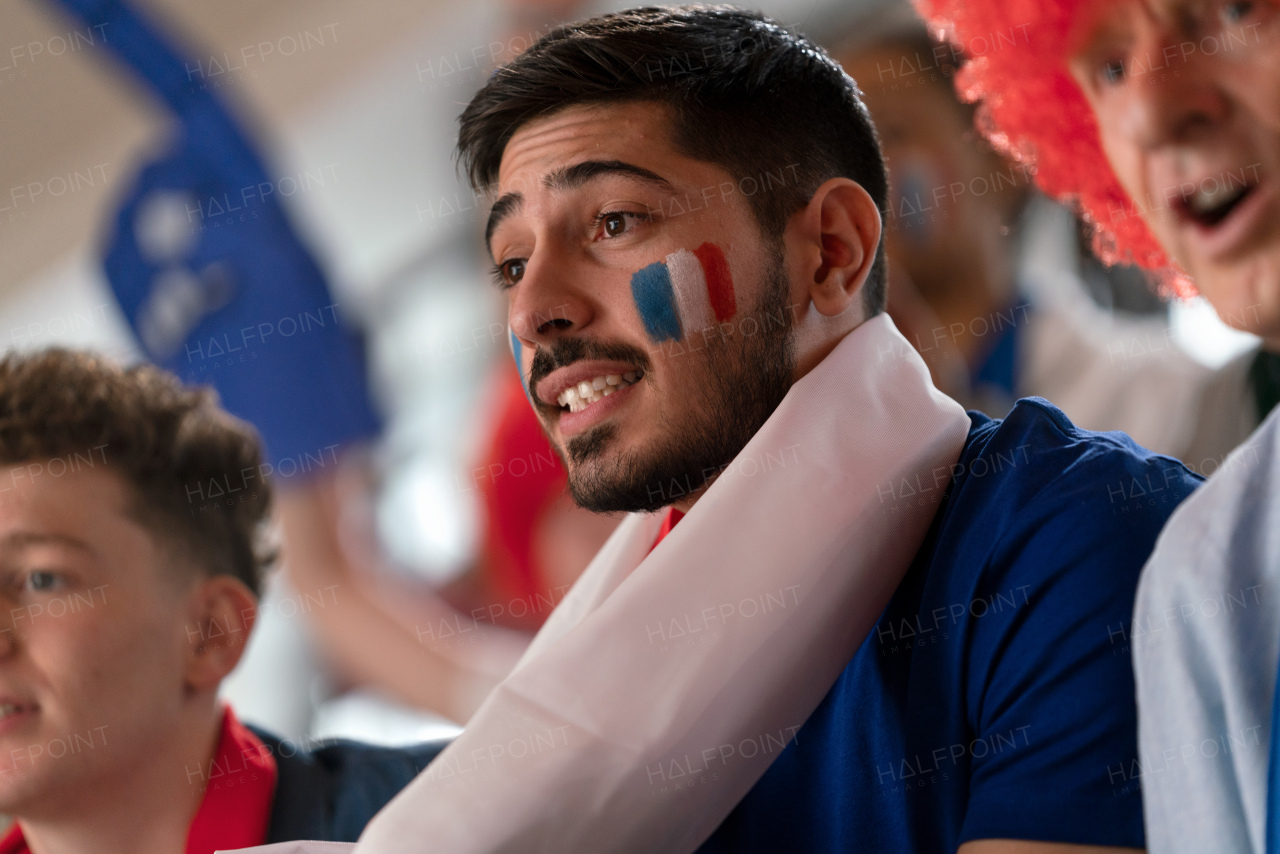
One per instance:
(1099, 22)
(629, 132)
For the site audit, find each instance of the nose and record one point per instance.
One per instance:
(1176, 100)
(8, 630)
(547, 303)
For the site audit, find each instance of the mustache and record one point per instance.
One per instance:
(565, 351)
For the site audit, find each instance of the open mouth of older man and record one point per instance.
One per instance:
(1209, 208)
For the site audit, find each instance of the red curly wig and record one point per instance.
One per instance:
(1033, 111)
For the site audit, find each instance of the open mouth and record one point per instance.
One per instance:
(1208, 209)
(10, 710)
(579, 397)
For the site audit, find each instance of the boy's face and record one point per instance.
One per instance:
(650, 319)
(92, 640)
(1187, 98)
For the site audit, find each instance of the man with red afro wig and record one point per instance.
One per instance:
(1160, 119)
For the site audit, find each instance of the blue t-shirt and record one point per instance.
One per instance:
(995, 697)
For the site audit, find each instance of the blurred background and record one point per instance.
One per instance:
(352, 105)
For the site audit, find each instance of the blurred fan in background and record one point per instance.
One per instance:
(989, 277)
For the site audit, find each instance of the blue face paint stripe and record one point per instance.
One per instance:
(651, 289)
(516, 353)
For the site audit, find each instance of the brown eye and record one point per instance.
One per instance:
(615, 224)
(512, 271)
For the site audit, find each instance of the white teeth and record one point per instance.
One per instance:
(579, 397)
(1202, 201)
(8, 709)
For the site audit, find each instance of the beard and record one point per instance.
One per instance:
(746, 377)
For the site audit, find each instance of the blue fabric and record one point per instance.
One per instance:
(210, 273)
(330, 791)
(1273, 778)
(993, 699)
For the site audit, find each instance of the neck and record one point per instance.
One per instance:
(684, 505)
(965, 300)
(143, 809)
(979, 282)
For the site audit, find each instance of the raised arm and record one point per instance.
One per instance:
(372, 626)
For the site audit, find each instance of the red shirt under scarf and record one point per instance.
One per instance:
(673, 516)
(240, 784)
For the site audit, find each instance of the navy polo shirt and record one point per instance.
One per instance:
(995, 697)
(331, 791)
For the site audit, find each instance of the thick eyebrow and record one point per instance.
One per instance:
(570, 178)
(23, 539)
(504, 207)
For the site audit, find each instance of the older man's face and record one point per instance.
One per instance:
(1187, 98)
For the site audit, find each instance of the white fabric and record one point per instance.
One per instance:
(1105, 370)
(1227, 415)
(1205, 642)
(298, 848)
(722, 643)
(1109, 372)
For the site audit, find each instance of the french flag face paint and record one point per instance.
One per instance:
(687, 291)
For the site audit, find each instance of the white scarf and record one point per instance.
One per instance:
(664, 685)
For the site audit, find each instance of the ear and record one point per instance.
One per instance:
(835, 238)
(221, 612)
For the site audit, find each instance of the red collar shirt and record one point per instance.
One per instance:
(239, 785)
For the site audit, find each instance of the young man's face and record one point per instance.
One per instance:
(92, 640)
(650, 318)
(1187, 98)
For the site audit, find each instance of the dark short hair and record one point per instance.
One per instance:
(163, 439)
(745, 94)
